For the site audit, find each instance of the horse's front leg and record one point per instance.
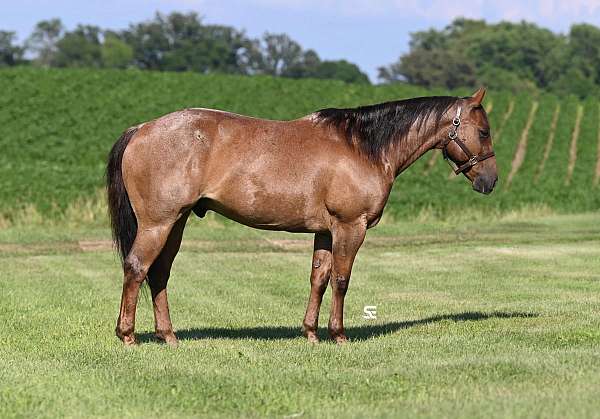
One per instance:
(158, 277)
(319, 278)
(347, 239)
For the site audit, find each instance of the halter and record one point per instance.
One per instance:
(453, 136)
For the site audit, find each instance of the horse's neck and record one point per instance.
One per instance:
(404, 153)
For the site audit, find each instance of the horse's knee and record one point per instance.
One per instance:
(321, 269)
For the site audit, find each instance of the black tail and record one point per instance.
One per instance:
(122, 217)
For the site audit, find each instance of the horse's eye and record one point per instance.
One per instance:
(484, 133)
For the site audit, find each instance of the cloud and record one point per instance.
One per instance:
(433, 11)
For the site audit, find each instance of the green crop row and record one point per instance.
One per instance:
(57, 126)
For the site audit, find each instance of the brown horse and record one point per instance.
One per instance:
(329, 173)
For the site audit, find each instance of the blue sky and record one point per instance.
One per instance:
(368, 32)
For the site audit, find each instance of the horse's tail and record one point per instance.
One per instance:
(122, 217)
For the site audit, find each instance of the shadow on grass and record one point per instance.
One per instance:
(356, 333)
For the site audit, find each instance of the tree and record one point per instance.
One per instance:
(284, 57)
(432, 68)
(10, 54)
(340, 70)
(281, 54)
(223, 49)
(180, 42)
(115, 52)
(79, 48)
(512, 56)
(436, 58)
(305, 65)
(149, 42)
(517, 47)
(177, 42)
(575, 82)
(584, 51)
(42, 41)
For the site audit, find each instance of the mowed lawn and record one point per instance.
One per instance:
(474, 319)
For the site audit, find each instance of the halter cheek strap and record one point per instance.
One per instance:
(473, 159)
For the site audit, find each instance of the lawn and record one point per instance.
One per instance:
(474, 319)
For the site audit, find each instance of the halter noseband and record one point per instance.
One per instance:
(453, 136)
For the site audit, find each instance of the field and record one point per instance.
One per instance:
(56, 127)
(487, 306)
(495, 319)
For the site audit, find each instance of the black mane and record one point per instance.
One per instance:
(375, 127)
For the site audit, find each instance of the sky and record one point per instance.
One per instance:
(370, 33)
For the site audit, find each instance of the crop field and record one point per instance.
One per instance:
(56, 127)
(492, 320)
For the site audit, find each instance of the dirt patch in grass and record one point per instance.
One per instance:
(522, 146)
(573, 149)
(549, 144)
(509, 111)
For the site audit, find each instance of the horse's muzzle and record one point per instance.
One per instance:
(485, 183)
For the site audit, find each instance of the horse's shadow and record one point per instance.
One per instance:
(356, 333)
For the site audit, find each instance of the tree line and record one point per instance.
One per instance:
(173, 42)
(506, 56)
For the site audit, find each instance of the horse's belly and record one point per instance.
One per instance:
(269, 208)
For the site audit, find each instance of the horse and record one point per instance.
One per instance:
(329, 173)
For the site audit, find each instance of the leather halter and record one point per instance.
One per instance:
(473, 158)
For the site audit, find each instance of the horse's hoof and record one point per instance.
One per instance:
(129, 340)
(312, 337)
(168, 337)
(172, 342)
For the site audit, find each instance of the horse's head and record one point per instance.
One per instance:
(468, 144)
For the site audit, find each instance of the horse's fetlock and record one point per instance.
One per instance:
(123, 332)
(335, 329)
(164, 333)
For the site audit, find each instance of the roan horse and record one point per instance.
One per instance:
(328, 173)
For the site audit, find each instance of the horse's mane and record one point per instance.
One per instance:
(376, 127)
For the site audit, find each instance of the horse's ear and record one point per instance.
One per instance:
(478, 96)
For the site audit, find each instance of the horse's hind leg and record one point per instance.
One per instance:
(148, 244)
(319, 278)
(158, 276)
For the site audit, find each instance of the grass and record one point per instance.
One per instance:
(475, 318)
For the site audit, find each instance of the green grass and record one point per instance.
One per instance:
(57, 126)
(475, 319)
